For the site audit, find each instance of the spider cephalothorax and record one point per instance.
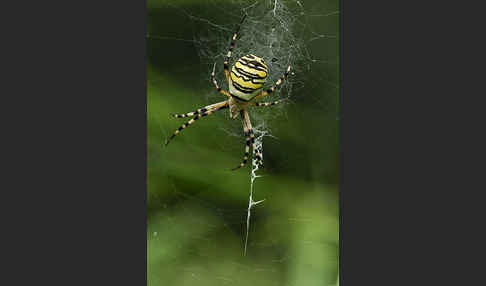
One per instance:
(245, 82)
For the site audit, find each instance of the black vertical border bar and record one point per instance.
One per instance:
(74, 194)
(405, 168)
(341, 143)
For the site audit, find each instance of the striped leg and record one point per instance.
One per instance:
(247, 142)
(209, 112)
(250, 139)
(219, 89)
(228, 55)
(201, 110)
(277, 84)
(267, 103)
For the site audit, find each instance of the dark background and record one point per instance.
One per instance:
(196, 207)
(74, 184)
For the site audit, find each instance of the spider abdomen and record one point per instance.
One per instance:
(248, 75)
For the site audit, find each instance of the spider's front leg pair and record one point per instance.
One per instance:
(201, 112)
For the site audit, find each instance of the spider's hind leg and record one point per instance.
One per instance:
(249, 139)
(247, 151)
(256, 152)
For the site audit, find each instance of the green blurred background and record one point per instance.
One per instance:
(196, 207)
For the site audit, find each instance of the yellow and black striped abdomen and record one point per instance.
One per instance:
(248, 75)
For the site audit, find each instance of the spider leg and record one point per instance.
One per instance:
(200, 110)
(219, 89)
(277, 84)
(247, 142)
(232, 44)
(208, 112)
(250, 139)
(266, 103)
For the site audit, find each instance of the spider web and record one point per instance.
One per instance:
(196, 236)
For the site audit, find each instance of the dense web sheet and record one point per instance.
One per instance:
(279, 32)
(254, 168)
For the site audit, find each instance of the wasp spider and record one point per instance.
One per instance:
(245, 82)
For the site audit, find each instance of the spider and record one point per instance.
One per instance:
(245, 83)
